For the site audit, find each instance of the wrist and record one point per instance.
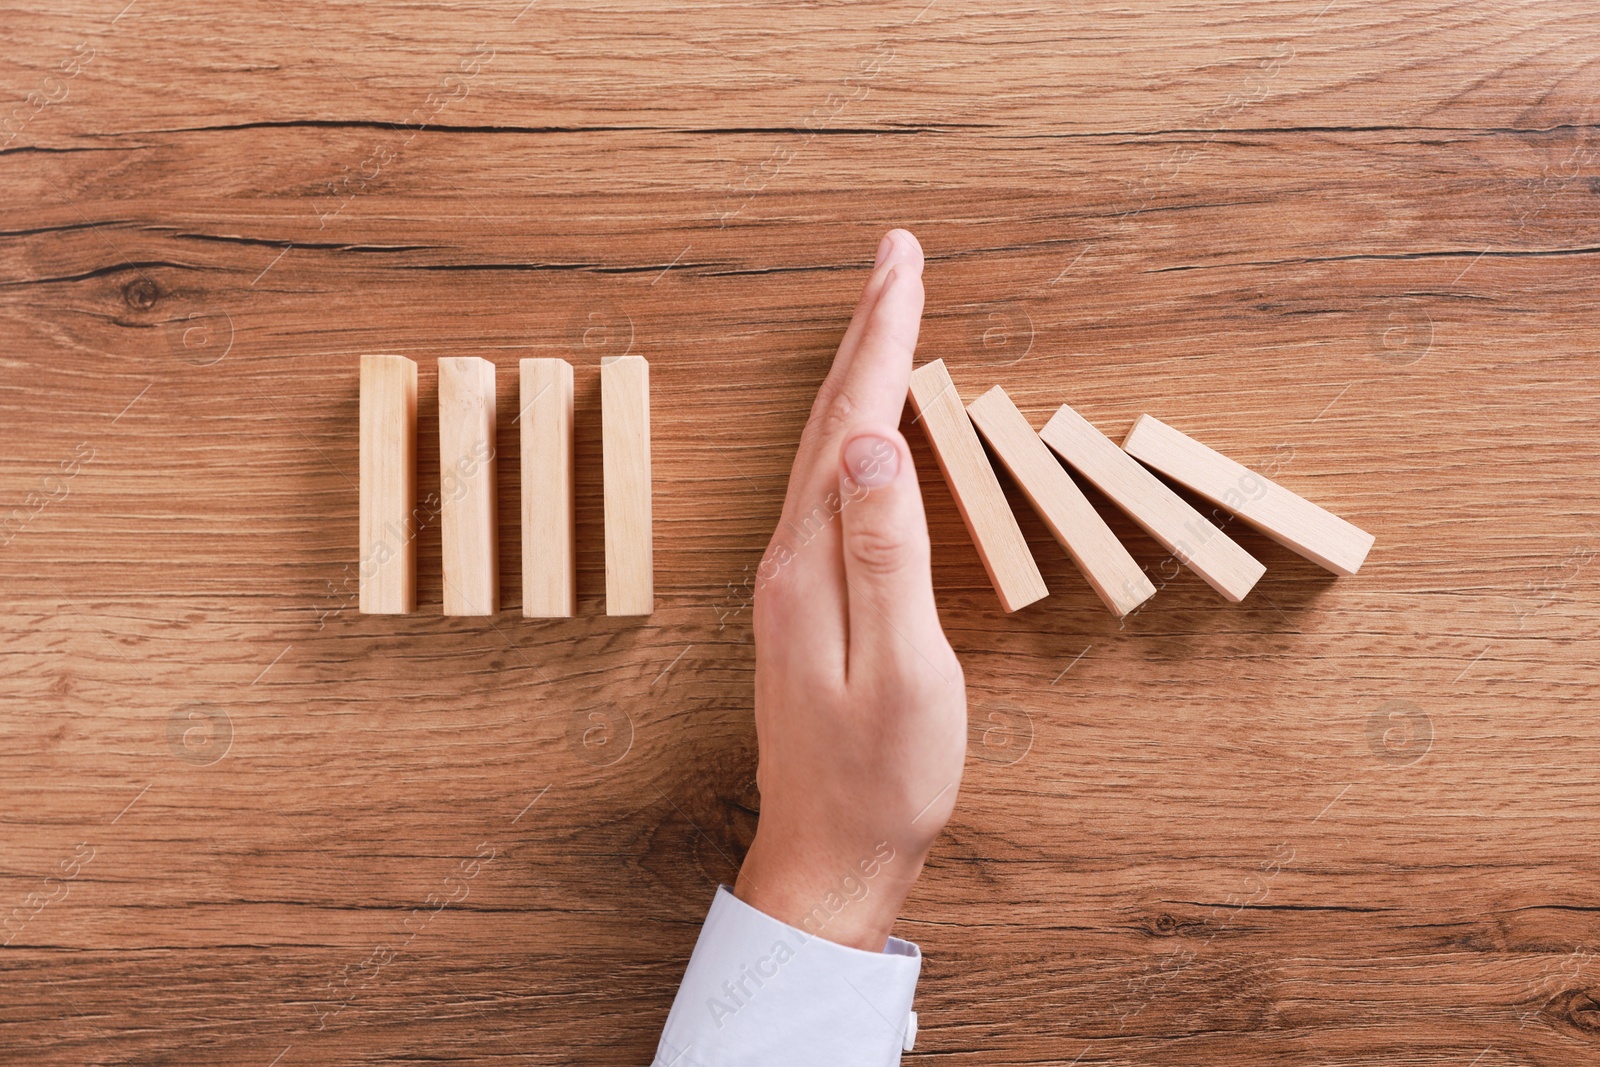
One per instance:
(853, 900)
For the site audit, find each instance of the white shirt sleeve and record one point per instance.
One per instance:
(761, 992)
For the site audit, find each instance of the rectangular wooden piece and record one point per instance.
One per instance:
(1286, 517)
(625, 432)
(467, 486)
(549, 585)
(1164, 515)
(977, 491)
(1116, 578)
(387, 571)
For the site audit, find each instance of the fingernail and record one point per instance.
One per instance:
(883, 250)
(872, 461)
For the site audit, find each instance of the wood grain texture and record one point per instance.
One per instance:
(1345, 823)
(388, 435)
(974, 487)
(468, 524)
(1289, 519)
(549, 551)
(1113, 574)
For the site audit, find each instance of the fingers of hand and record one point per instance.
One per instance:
(891, 612)
(874, 386)
(801, 589)
(898, 274)
(898, 253)
(871, 392)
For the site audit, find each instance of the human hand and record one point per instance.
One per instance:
(861, 705)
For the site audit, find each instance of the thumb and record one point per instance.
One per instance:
(889, 587)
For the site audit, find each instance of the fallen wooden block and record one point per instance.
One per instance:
(1287, 518)
(1111, 571)
(1180, 529)
(388, 568)
(467, 486)
(625, 433)
(977, 491)
(549, 584)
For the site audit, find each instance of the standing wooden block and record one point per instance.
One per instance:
(388, 568)
(1182, 530)
(977, 491)
(1111, 571)
(549, 582)
(1289, 519)
(467, 486)
(625, 433)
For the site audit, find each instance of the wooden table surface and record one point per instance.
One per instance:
(1353, 244)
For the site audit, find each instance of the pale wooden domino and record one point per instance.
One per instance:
(977, 491)
(625, 433)
(1164, 515)
(467, 486)
(549, 586)
(388, 568)
(1289, 519)
(1111, 571)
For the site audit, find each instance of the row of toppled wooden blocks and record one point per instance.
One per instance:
(1124, 476)
(391, 518)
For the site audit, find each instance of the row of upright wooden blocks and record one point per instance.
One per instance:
(1122, 475)
(390, 518)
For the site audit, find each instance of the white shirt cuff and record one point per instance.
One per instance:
(761, 992)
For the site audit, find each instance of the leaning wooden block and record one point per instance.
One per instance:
(625, 434)
(1182, 530)
(549, 586)
(1289, 519)
(388, 568)
(467, 486)
(1111, 571)
(977, 491)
